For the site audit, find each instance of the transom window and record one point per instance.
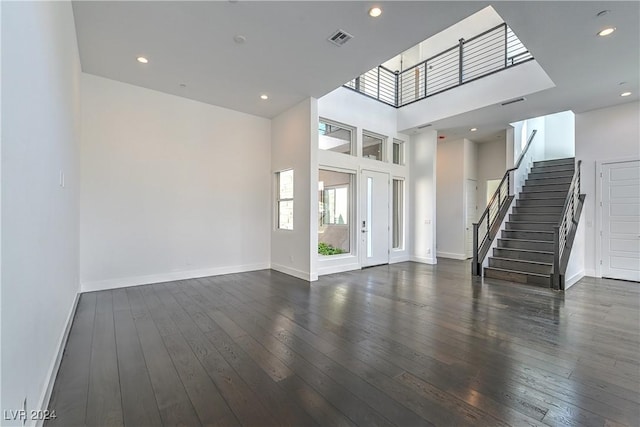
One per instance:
(335, 137)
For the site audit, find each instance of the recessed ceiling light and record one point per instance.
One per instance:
(142, 60)
(183, 85)
(473, 129)
(264, 96)
(606, 31)
(625, 94)
(240, 39)
(602, 13)
(375, 12)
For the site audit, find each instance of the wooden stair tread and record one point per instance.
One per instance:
(525, 250)
(523, 240)
(522, 260)
(506, 270)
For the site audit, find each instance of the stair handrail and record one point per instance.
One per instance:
(494, 212)
(568, 219)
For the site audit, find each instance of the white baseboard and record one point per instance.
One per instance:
(124, 282)
(295, 273)
(590, 273)
(570, 281)
(452, 255)
(400, 258)
(423, 260)
(338, 268)
(55, 364)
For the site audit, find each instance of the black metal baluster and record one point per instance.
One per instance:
(461, 52)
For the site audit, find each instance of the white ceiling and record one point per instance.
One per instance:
(287, 56)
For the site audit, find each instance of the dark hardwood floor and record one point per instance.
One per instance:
(406, 344)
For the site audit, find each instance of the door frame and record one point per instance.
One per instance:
(598, 208)
(362, 211)
(466, 214)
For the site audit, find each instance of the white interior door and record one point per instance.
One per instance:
(621, 220)
(471, 193)
(374, 222)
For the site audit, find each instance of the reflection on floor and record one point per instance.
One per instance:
(406, 344)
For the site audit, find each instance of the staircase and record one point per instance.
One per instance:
(524, 251)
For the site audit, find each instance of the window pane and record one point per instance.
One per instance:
(334, 138)
(398, 152)
(285, 215)
(334, 204)
(372, 147)
(285, 183)
(398, 213)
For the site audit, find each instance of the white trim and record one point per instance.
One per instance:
(399, 258)
(451, 255)
(123, 282)
(590, 273)
(423, 260)
(304, 275)
(55, 364)
(598, 210)
(569, 282)
(340, 268)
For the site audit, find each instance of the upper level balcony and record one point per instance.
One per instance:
(492, 51)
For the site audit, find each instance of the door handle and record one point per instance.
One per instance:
(364, 230)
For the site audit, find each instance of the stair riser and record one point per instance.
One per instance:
(538, 202)
(546, 187)
(520, 266)
(544, 169)
(535, 217)
(543, 195)
(528, 210)
(518, 278)
(529, 256)
(530, 226)
(525, 244)
(556, 180)
(554, 162)
(548, 174)
(527, 235)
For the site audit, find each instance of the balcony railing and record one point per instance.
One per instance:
(494, 50)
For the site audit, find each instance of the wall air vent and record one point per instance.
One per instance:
(513, 101)
(340, 37)
(424, 126)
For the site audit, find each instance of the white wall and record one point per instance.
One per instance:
(469, 27)
(40, 106)
(576, 265)
(559, 135)
(491, 165)
(294, 145)
(511, 83)
(605, 134)
(450, 184)
(171, 188)
(422, 194)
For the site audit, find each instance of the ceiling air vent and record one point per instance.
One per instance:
(340, 37)
(513, 101)
(425, 126)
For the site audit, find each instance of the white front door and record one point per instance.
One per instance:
(374, 221)
(621, 220)
(471, 205)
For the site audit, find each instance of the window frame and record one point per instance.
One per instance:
(394, 214)
(401, 152)
(383, 148)
(352, 131)
(280, 199)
